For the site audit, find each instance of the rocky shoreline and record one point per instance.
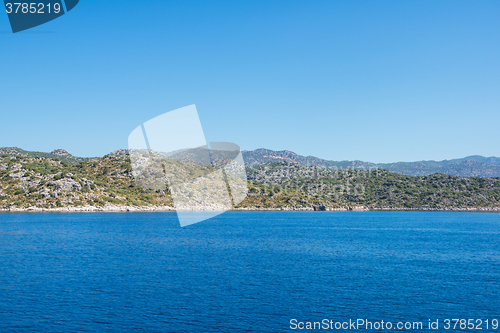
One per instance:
(116, 208)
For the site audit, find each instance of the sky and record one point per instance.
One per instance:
(378, 81)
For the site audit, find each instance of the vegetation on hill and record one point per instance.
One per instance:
(50, 183)
(471, 166)
(60, 154)
(290, 183)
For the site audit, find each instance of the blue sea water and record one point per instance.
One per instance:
(245, 271)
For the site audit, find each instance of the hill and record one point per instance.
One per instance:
(60, 154)
(376, 189)
(472, 166)
(106, 183)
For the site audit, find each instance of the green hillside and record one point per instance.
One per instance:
(291, 183)
(47, 183)
(60, 154)
(44, 182)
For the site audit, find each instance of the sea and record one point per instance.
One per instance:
(250, 272)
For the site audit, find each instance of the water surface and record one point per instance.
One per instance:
(244, 271)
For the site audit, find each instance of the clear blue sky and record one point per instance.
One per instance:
(379, 81)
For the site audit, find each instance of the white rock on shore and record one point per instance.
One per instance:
(116, 208)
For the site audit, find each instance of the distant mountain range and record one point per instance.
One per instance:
(470, 166)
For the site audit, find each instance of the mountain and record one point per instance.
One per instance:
(106, 183)
(261, 156)
(477, 158)
(471, 166)
(458, 167)
(60, 154)
(286, 183)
